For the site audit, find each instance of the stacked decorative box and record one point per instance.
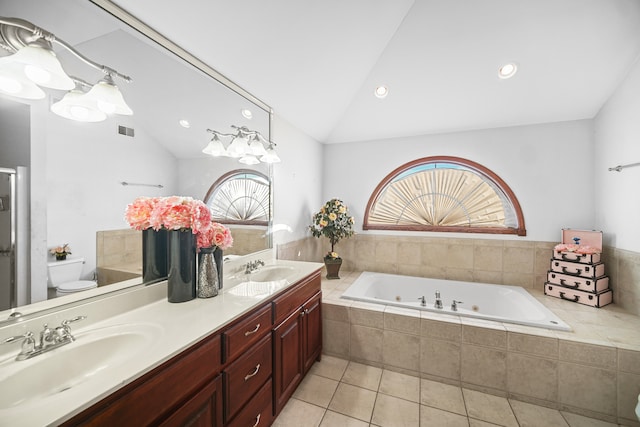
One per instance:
(577, 272)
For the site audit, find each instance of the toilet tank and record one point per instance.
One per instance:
(65, 271)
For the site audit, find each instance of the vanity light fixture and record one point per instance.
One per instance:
(76, 105)
(248, 146)
(381, 91)
(32, 64)
(507, 70)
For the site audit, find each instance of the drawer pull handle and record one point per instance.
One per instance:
(246, 334)
(574, 299)
(252, 374)
(257, 420)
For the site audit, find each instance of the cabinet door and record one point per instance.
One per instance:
(288, 362)
(312, 337)
(202, 410)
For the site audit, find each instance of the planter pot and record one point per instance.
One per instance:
(154, 255)
(181, 259)
(333, 267)
(61, 257)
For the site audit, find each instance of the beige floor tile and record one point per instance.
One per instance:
(316, 389)
(487, 407)
(297, 413)
(478, 423)
(391, 411)
(529, 415)
(442, 396)
(333, 419)
(576, 420)
(362, 376)
(400, 385)
(437, 417)
(330, 367)
(353, 401)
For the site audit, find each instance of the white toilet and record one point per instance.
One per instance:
(65, 277)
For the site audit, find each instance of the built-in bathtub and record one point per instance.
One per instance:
(502, 303)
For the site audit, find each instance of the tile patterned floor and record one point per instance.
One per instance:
(339, 393)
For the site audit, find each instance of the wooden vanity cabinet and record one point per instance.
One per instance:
(185, 390)
(248, 354)
(242, 376)
(297, 337)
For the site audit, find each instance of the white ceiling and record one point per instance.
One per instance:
(317, 62)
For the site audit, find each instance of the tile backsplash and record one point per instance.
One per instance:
(505, 262)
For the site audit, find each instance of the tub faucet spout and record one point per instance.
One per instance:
(438, 303)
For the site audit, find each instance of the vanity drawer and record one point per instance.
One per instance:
(242, 335)
(292, 300)
(258, 412)
(244, 377)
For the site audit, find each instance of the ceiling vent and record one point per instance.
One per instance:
(123, 130)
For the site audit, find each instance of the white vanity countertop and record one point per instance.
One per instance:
(176, 326)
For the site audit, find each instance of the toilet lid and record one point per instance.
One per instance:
(80, 285)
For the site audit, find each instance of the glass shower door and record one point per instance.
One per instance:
(7, 239)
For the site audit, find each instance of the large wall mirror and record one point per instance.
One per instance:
(71, 173)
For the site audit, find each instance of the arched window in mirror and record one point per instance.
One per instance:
(241, 196)
(444, 194)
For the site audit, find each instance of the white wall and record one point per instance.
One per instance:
(549, 167)
(85, 163)
(298, 181)
(617, 142)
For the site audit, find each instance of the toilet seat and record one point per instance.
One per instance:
(80, 285)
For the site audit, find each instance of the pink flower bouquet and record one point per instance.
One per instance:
(216, 235)
(171, 213)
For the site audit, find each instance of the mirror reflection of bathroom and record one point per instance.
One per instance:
(78, 177)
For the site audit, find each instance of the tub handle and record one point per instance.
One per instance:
(574, 286)
(574, 299)
(423, 301)
(454, 305)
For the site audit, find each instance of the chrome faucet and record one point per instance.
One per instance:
(423, 301)
(438, 303)
(48, 340)
(454, 305)
(253, 266)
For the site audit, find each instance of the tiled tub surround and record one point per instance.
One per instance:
(504, 262)
(593, 371)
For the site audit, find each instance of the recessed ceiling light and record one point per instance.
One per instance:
(507, 70)
(247, 114)
(381, 91)
(185, 123)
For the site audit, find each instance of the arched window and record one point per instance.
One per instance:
(241, 196)
(444, 194)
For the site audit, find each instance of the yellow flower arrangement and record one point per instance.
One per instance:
(334, 223)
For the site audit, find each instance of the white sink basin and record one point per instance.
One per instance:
(262, 282)
(270, 272)
(51, 373)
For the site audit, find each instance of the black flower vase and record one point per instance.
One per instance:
(217, 256)
(181, 259)
(154, 255)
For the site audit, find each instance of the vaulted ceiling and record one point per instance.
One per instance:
(317, 62)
